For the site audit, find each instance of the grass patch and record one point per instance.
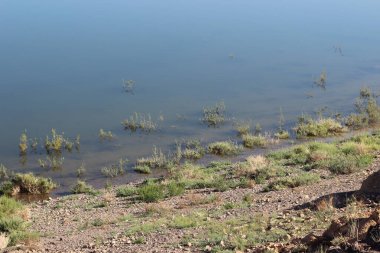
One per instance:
(323, 127)
(253, 141)
(158, 160)
(126, 191)
(301, 179)
(144, 169)
(339, 158)
(83, 187)
(224, 148)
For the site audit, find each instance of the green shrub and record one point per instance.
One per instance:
(151, 192)
(341, 164)
(175, 189)
(126, 191)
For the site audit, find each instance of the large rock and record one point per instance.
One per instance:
(371, 184)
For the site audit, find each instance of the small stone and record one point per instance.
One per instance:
(208, 248)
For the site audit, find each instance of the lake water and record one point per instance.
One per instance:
(62, 65)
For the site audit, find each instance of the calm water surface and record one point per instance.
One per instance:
(62, 65)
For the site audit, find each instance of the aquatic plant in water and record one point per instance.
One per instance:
(115, 170)
(367, 110)
(105, 135)
(321, 81)
(282, 133)
(57, 143)
(23, 145)
(139, 121)
(213, 116)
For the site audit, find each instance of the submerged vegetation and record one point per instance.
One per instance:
(129, 85)
(321, 81)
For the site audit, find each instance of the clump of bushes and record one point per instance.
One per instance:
(213, 116)
(224, 148)
(139, 121)
(323, 127)
(28, 184)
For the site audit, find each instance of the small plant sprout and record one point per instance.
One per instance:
(281, 134)
(321, 81)
(213, 116)
(105, 135)
(23, 145)
(129, 86)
